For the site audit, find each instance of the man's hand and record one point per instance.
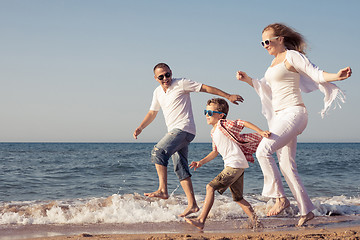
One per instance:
(235, 98)
(137, 132)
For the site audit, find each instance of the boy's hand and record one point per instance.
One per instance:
(195, 165)
(265, 133)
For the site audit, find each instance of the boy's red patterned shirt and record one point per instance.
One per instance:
(248, 142)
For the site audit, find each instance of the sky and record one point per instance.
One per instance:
(81, 70)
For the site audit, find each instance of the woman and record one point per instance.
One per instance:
(280, 92)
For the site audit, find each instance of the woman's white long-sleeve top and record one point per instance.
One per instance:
(311, 79)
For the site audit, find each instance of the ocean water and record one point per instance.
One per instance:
(85, 183)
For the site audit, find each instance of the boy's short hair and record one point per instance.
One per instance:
(222, 105)
(161, 65)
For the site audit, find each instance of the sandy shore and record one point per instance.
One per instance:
(332, 233)
(338, 227)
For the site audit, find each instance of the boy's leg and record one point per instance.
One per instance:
(199, 222)
(246, 207)
(237, 189)
(220, 183)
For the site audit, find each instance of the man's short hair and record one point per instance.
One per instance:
(161, 65)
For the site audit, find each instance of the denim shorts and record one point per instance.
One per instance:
(230, 177)
(174, 144)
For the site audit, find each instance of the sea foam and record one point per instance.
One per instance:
(135, 208)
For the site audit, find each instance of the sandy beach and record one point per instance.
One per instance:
(335, 227)
(340, 233)
(322, 233)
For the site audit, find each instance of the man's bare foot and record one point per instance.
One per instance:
(196, 222)
(189, 210)
(157, 194)
(306, 218)
(280, 205)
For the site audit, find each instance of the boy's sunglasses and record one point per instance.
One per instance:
(161, 77)
(267, 41)
(211, 112)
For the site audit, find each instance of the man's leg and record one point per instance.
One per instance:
(187, 186)
(162, 191)
(172, 142)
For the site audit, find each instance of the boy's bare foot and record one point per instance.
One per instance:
(306, 218)
(280, 205)
(196, 222)
(157, 194)
(255, 223)
(189, 210)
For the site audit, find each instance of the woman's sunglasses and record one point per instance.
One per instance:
(161, 77)
(267, 41)
(211, 112)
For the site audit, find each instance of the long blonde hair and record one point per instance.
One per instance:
(292, 39)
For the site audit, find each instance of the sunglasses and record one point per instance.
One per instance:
(267, 41)
(161, 77)
(211, 112)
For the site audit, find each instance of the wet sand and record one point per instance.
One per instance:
(336, 227)
(328, 234)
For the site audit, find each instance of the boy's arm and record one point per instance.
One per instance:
(206, 159)
(213, 90)
(150, 116)
(256, 129)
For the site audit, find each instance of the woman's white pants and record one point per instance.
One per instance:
(284, 128)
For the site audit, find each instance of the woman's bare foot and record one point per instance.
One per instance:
(189, 210)
(196, 222)
(157, 194)
(280, 205)
(306, 218)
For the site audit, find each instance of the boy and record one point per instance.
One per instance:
(236, 150)
(173, 97)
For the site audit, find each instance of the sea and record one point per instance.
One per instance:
(104, 183)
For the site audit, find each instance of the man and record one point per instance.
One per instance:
(173, 97)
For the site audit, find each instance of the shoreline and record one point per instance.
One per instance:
(335, 227)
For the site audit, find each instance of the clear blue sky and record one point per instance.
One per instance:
(81, 70)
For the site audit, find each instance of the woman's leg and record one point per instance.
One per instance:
(288, 167)
(286, 125)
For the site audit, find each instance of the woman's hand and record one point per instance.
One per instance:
(344, 73)
(242, 76)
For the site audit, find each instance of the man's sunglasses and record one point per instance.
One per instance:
(211, 112)
(161, 77)
(267, 41)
